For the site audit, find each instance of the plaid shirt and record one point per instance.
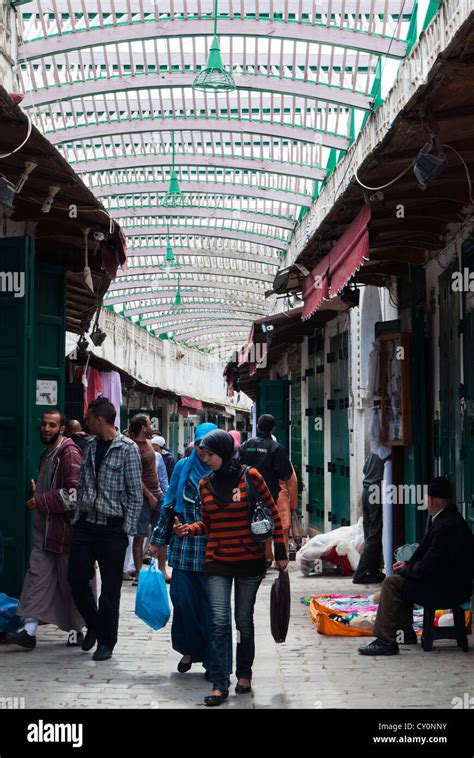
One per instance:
(185, 553)
(116, 489)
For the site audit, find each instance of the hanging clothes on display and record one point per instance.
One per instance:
(112, 389)
(91, 379)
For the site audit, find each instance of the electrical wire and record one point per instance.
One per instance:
(383, 186)
(450, 147)
(30, 126)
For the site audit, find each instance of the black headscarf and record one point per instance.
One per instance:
(223, 481)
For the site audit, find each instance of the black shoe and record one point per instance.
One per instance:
(79, 640)
(216, 699)
(3, 639)
(369, 579)
(147, 560)
(379, 647)
(409, 638)
(89, 640)
(183, 667)
(23, 639)
(103, 653)
(242, 689)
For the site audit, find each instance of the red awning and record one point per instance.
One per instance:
(315, 289)
(244, 354)
(346, 257)
(190, 402)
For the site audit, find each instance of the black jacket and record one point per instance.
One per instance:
(444, 559)
(269, 458)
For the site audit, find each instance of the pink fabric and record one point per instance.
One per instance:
(236, 437)
(112, 389)
(94, 384)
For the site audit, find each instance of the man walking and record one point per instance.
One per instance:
(159, 443)
(108, 506)
(46, 596)
(267, 456)
(140, 433)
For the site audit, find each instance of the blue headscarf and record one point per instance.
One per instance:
(193, 468)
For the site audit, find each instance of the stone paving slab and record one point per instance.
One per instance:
(309, 670)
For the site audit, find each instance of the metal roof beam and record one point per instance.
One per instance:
(163, 29)
(223, 162)
(121, 7)
(186, 286)
(203, 188)
(205, 213)
(215, 328)
(259, 83)
(179, 321)
(233, 255)
(192, 310)
(202, 231)
(234, 273)
(76, 134)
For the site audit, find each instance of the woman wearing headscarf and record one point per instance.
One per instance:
(232, 557)
(190, 629)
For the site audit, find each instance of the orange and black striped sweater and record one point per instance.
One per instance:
(231, 549)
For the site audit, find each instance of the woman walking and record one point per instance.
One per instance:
(232, 557)
(190, 629)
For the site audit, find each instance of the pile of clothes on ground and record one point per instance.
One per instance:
(354, 615)
(341, 547)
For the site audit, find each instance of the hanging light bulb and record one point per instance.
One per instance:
(174, 198)
(214, 77)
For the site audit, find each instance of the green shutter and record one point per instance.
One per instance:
(16, 408)
(273, 399)
(315, 415)
(339, 410)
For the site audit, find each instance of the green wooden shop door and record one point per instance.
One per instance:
(338, 405)
(16, 404)
(315, 415)
(273, 399)
(449, 377)
(49, 341)
(295, 428)
(468, 421)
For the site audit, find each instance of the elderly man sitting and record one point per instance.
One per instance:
(439, 574)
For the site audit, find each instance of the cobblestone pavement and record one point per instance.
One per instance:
(308, 671)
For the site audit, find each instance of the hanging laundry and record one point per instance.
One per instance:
(91, 379)
(112, 389)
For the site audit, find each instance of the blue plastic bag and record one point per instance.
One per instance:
(151, 603)
(9, 621)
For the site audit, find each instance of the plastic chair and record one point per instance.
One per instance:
(432, 632)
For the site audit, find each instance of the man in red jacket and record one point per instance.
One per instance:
(46, 596)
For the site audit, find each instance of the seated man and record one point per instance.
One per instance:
(439, 574)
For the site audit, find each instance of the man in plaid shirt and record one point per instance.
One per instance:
(109, 502)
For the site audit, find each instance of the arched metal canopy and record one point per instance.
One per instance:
(110, 83)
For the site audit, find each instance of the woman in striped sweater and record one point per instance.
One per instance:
(232, 556)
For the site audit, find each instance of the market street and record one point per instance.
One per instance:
(308, 671)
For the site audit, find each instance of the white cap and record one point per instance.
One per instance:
(160, 441)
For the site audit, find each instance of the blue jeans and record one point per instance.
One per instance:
(219, 590)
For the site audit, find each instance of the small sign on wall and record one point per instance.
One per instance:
(46, 392)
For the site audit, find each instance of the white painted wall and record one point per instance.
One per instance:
(163, 364)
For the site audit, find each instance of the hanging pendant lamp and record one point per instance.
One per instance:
(214, 77)
(178, 302)
(174, 198)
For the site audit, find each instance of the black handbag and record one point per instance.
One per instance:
(280, 599)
